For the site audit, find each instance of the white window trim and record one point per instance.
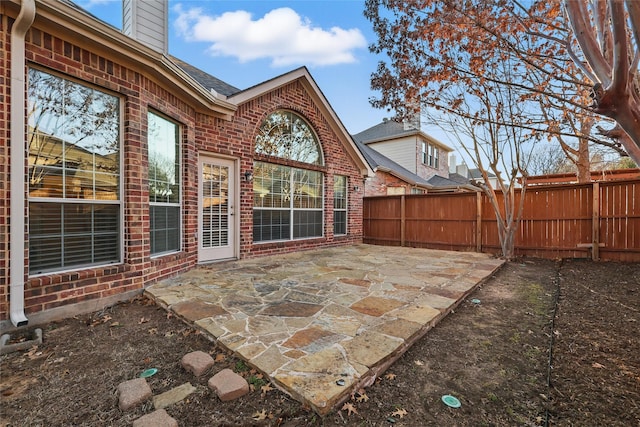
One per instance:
(121, 181)
(346, 207)
(292, 210)
(179, 180)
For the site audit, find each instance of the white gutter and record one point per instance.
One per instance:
(18, 116)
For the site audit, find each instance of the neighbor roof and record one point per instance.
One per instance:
(391, 129)
(380, 162)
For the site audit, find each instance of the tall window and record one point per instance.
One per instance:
(74, 175)
(287, 201)
(339, 205)
(433, 157)
(164, 184)
(430, 155)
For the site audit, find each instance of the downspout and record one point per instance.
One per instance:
(18, 117)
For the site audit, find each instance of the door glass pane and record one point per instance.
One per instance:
(215, 205)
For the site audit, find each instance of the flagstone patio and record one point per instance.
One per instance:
(323, 323)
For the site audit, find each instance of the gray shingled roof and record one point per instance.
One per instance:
(439, 181)
(206, 79)
(375, 160)
(456, 177)
(384, 130)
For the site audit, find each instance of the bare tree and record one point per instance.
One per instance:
(548, 159)
(493, 147)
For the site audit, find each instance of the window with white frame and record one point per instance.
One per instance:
(287, 201)
(164, 184)
(430, 155)
(434, 157)
(339, 205)
(74, 158)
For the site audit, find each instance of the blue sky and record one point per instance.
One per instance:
(245, 42)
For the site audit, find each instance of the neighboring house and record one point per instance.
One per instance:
(406, 161)
(138, 166)
(392, 179)
(462, 173)
(405, 144)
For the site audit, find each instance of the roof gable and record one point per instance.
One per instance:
(304, 77)
(389, 130)
(382, 163)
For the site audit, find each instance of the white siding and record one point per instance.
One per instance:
(401, 150)
(147, 22)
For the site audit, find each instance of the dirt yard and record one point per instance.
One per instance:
(492, 353)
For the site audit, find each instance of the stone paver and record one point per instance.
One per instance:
(158, 418)
(132, 393)
(228, 385)
(197, 362)
(172, 396)
(308, 319)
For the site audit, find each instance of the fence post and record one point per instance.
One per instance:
(595, 223)
(402, 220)
(479, 221)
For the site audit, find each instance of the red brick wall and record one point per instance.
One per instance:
(200, 133)
(378, 185)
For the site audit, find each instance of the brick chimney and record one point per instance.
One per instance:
(148, 22)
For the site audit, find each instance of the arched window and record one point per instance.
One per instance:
(286, 135)
(287, 201)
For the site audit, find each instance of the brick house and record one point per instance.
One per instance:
(138, 166)
(406, 160)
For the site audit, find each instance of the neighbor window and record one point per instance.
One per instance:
(339, 205)
(74, 175)
(164, 184)
(430, 155)
(287, 200)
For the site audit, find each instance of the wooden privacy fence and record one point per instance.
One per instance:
(600, 220)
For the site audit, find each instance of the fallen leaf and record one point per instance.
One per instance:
(349, 408)
(362, 397)
(143, 320)
(169, 315)
(153, 331)
(220, 357)
(419, 362)
(259, 416)
(114, 324)
(597, 365)
(266, 388)
(400, 413)
(390, 376)
(259, 376)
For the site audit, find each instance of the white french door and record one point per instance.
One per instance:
(216, 203)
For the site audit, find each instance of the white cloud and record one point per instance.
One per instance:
(280, 35)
